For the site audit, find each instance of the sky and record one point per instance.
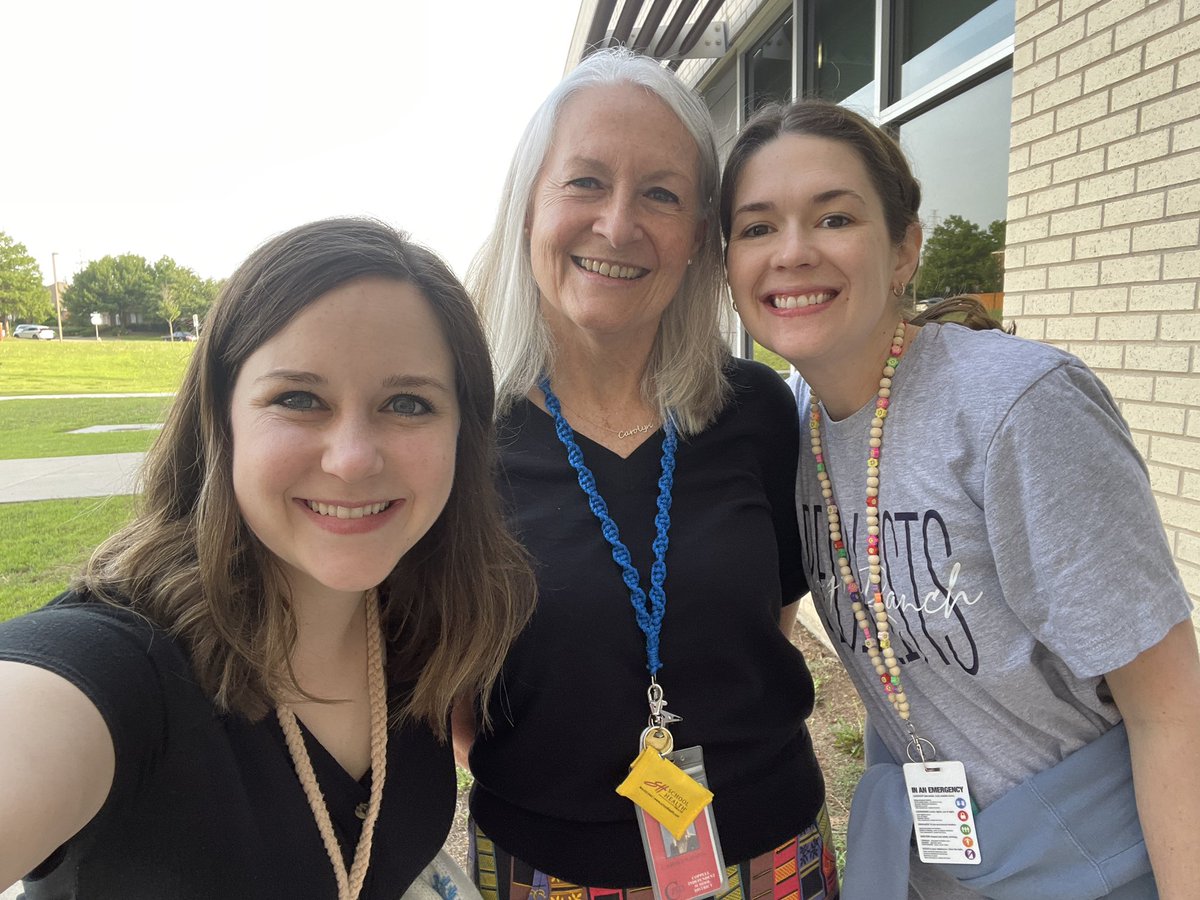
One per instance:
(199, 130)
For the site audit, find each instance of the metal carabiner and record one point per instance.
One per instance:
(919, 743)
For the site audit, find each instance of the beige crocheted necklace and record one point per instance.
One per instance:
(349, 883)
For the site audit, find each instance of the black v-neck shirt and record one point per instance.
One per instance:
(572, 700)
(205, 805)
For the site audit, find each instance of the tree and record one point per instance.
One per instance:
(961, 258)
(181, 291)
(118, 285)
(168, 306)
(22, 294)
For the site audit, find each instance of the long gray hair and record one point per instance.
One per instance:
(685, 375)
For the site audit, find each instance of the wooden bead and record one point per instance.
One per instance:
(885, 664)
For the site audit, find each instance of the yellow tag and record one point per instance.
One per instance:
(665, 791)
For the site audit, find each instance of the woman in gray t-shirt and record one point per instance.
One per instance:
(982, 544)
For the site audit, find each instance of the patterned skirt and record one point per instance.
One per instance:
(803, 868)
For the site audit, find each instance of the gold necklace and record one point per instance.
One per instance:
(622, 434)
(349, 883)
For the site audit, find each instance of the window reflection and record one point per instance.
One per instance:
(769, 68)
(843, 52)
(940, 36)
(959, 152)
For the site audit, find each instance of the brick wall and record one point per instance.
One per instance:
(1104, 220)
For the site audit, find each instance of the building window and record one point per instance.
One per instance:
(721, 99)
(937, 37)
(841, 57)
(959, 153)
(769, 67)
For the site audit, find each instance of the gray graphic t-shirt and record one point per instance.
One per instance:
(1023, 553)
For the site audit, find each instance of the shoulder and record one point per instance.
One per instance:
(761, 409)
(128, 668)
(988, 373)
(78, 619)
(754, 383)
(97, 646)
(511, 424)
(990, 353)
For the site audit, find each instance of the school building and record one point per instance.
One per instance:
(1075, 122)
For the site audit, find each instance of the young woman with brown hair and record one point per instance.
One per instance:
(246, 693)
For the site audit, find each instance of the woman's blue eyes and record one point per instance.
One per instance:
(296, 400)
(659, 194)
(401, 404)
(408, 405)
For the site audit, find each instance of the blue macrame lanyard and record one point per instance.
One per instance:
(649, 615)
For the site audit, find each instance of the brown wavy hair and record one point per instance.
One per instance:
(188, 562)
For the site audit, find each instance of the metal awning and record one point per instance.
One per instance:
(668, 30)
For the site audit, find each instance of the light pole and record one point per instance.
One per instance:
(57, 301)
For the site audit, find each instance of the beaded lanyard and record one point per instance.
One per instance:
(879, 646)
(649, 619)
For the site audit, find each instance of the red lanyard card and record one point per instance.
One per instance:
(689, 866)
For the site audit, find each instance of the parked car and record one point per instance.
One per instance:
(35, 332)
(180, 336)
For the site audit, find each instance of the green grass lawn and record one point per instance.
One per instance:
(91, 367)
(43, 544)
(38, 428)
(774, 360)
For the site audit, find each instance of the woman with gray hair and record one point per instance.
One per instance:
(642, 466)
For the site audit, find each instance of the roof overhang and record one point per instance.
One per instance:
(668, 30)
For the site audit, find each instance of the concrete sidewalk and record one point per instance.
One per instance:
(79, 396)
(60, 477)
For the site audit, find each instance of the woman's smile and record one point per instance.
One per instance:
(350, 518)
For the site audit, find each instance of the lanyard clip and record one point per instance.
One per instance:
(917, 745)
(658, 713)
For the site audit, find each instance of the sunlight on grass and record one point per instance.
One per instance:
(40, 428)
(43, 544)
(90, 367)
(774, 360)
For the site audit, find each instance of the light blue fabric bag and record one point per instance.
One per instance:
(442, 879)
(1070, 832)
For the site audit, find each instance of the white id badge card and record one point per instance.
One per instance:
(941, 811)
(691, 866)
